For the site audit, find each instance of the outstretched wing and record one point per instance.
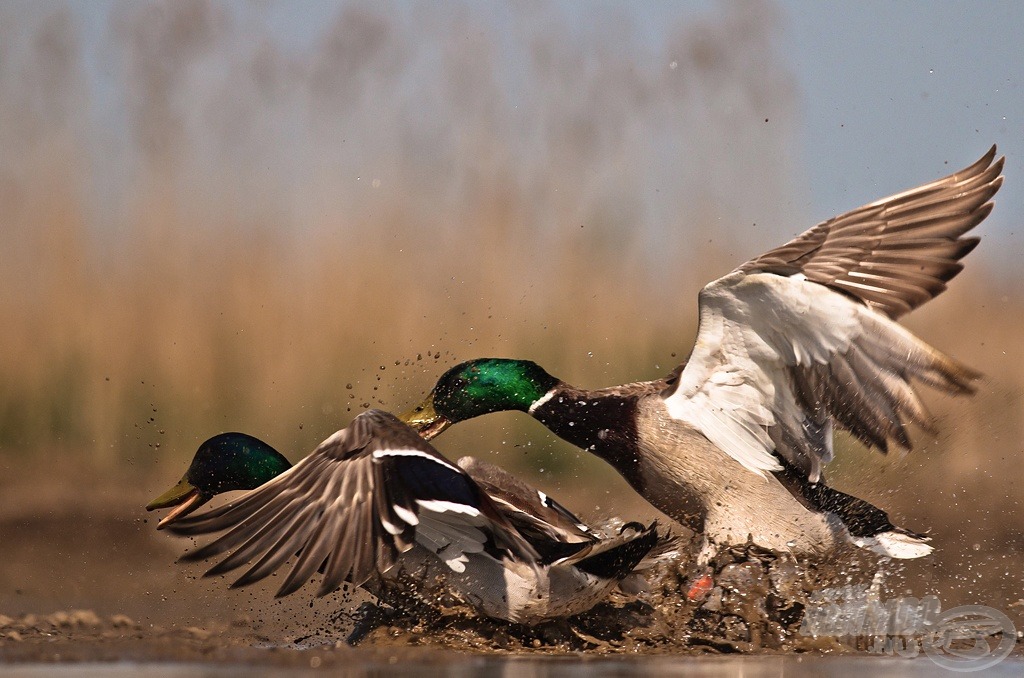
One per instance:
(898, 252)
(803, 337)
(363, 497)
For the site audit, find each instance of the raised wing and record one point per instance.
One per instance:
(802, 338)
(898, 252)
(363, 497)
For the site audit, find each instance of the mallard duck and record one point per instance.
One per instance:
(377, 506)
(790, 345)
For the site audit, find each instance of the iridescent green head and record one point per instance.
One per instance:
(225, 462)
(480, 387)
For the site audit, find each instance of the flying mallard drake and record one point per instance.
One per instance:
(377, 506)
(791, 344)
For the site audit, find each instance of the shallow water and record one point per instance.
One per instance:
(462, 665)
(96, 591)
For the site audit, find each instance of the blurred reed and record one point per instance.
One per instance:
(229, 259)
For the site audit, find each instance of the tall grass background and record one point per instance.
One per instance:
(207, 228)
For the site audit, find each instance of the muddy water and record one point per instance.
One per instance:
(747, 667)
(93, 588)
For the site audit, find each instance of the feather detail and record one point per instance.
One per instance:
(777, 358)
(804, 335)
(363, 496)
(898, 252)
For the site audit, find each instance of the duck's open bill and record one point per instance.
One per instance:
(184, 497)
(375, 502)
(425, 419)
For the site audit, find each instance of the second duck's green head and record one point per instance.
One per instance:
(480, 387)
(225, 462)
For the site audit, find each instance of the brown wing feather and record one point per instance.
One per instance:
(297, 513)
(898, 252)
(344, 510)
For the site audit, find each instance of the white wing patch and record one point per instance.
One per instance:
(735, 386)
(410, 452)
(405, 514)
(446, 528)
(445, 507)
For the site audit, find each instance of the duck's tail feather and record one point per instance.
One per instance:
(897, 543)
(616, 557)
(869, 526)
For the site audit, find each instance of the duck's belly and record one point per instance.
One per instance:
(518, 593)
(693, 481)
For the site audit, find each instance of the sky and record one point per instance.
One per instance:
(881, 96)
(889, 91)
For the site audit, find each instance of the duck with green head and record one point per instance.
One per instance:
(377, 506)
(224, 463)
(790, 345)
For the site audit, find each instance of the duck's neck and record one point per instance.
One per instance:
(600, 422)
